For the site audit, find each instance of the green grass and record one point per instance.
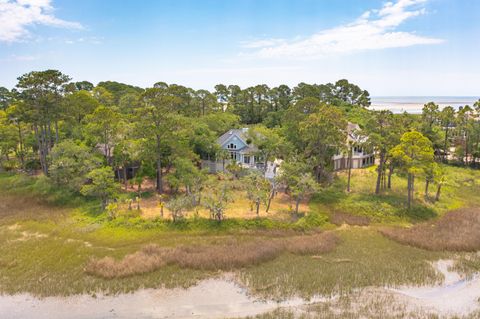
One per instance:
(461, 190)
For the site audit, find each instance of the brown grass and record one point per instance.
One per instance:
(339, 219)
(228, 255)
(15, 208)
(456, 231)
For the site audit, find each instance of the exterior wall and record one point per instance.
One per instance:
(341, 162)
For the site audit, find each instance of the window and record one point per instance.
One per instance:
(246, 159)
(233, 155)
(231, 146)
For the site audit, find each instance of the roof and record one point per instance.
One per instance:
(240, 133)
(353, 131)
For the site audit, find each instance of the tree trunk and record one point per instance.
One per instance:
(437, 196)
(409, 190)
(270, 199)
(56, 132)
(412, 188)
(349, 168)
(427, 183)
(125, 179)
(445, 145)
(379, 172)
(390, 172)
(20, 142)
(258, 208)
(159, 176)
(297, 203)
(466, 149)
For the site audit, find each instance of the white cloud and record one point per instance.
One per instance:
(373, 30)
(17, 15)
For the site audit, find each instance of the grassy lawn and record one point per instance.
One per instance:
(461, 190)
(48, 236)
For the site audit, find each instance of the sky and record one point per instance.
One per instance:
(398, 47)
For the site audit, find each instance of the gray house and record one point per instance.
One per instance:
(239, 149)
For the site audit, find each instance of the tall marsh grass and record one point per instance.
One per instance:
(455, 231)
(229, 255)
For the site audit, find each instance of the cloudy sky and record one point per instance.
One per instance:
(402, 47)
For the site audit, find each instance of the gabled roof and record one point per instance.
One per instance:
(353, 131)
(239, 133)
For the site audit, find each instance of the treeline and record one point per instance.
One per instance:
(77, 133)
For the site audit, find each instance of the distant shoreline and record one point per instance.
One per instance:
(414, 104)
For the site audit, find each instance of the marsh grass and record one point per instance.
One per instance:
(455, 231)
(227, 255)
(364, 258)
(339, 219)
(372, 304)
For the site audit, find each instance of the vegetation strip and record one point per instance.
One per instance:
(227, 256)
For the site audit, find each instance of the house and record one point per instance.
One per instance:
(361, 156)
(239, 149)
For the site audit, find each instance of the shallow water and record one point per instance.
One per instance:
(212, 298)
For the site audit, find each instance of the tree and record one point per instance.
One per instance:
(382, 135)
(415, 153)
(447, 120)
(323, 133)
(440, 179)
(349, 93)
(268, 143)
(8, 137)
(70, 163)
(102, 185)
(178, 206)
(78, 105)
(17, 120)
(431, 172)
(217, 197)
(298, 180)
(6, 98)
(206, 102)
(41, 93)
(258, 190)
(156, 123)
(103, 126)
(125, 152)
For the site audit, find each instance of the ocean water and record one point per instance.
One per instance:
(414, 104)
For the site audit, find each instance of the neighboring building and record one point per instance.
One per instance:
(361, 157)
(130, 169)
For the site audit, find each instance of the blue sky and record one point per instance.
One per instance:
(402, 47)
